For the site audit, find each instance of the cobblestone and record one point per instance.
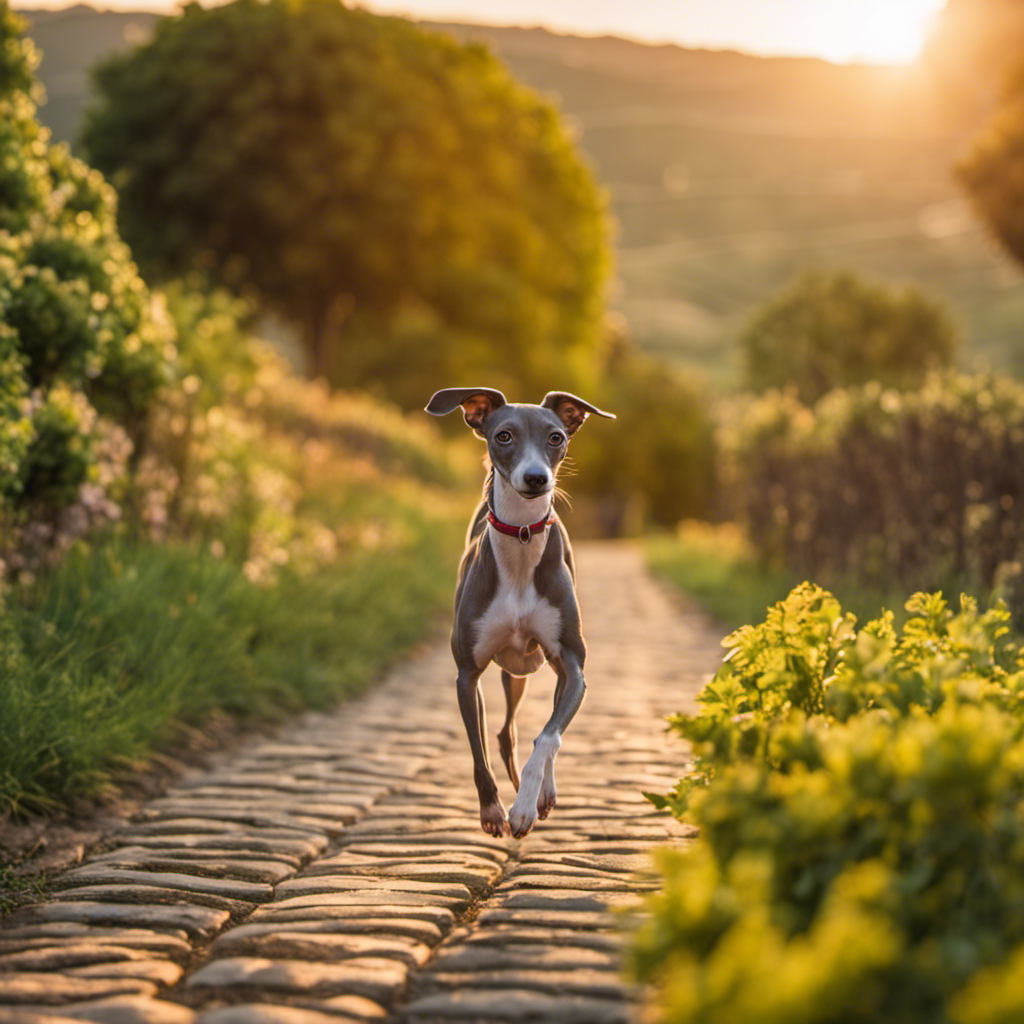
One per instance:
(337, 873)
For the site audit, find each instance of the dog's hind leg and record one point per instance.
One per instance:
(493, 819)
(515, 687)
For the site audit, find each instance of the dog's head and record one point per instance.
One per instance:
(525, 442)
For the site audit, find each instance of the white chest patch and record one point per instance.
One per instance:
(519, 625)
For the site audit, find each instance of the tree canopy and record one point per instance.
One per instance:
(992, 172)
(835, 329)
(392, 193)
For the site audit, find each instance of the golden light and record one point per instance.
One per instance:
(888, 32)
(870, 31)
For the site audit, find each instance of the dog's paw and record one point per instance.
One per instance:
(521, 819)
(494, 821)
(547, 796)
(546, 801)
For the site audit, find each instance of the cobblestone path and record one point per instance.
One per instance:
(337, 873)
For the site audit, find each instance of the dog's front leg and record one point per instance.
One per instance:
(471, 703)
(536, 795)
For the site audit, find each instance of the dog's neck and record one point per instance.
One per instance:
(510, 506)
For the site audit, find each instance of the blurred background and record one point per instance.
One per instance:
(241, 245)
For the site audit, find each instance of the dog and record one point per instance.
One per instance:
(515, 599)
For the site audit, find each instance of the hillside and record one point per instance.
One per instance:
(727, 173)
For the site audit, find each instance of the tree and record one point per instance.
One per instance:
(992, 172)
(655, 465)
(834, 329)
(84, 349)
(363, 178)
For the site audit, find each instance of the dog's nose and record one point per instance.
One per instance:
(535, 481)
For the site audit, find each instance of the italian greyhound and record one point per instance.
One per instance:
(515, 599)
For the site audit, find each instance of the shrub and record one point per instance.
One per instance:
(834, 329)
(915, 489)
(860, 799)
(84, 347)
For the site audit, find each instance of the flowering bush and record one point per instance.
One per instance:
(84, 347)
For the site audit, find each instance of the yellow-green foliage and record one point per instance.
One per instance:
(84, 346)
(860, 799)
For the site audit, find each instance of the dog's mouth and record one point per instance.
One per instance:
(531, 495)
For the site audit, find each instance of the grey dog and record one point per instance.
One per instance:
(515, 600)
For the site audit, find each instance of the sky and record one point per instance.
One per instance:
(873, 31)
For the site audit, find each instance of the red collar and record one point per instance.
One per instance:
(524, 533)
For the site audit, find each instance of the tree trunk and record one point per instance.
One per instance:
(321, 335)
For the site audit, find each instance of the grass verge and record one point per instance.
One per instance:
(109, 658)
(716, 566)
(108, 653)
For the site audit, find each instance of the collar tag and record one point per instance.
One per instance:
(524, 533)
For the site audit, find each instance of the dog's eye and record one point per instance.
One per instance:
(503, 437)
(556, 440)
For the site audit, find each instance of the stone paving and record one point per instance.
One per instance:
(337, 873)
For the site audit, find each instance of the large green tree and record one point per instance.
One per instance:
(831, 329)
(392, 193)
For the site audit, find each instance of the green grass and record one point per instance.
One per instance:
(107, 654)
(18, 889)
(718, 568)
(715, 566)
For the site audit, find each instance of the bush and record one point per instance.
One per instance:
(860, 799)
(656, 464)
(84, 347)
(833, 329)
(893, 490)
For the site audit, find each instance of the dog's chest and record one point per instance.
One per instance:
(518, 618)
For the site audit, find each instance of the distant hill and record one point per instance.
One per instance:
(72, 41)
(727, 174)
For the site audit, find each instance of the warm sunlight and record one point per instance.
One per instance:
(873, 31)
(844, 31)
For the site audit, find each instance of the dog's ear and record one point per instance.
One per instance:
(477, 404)
(572, 411)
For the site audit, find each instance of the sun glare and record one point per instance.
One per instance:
(874, 31)
(870, 31)
(867, 31)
